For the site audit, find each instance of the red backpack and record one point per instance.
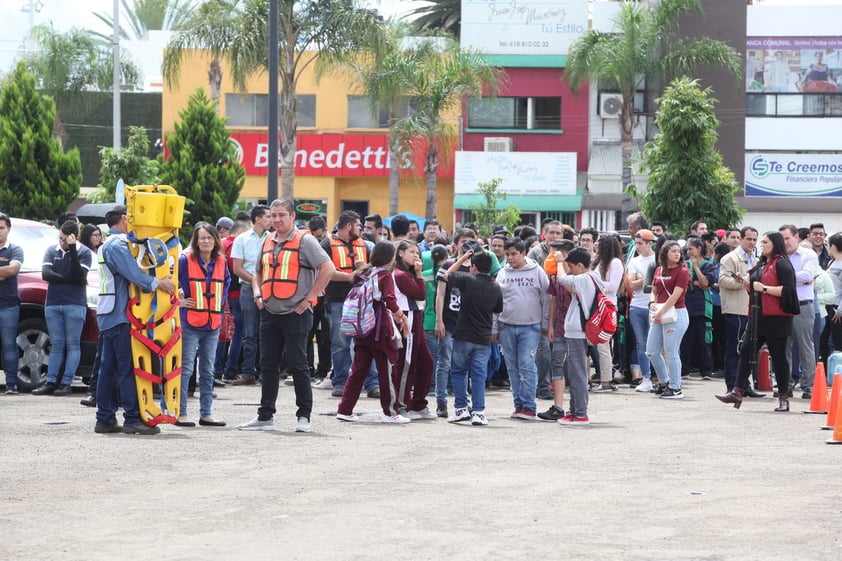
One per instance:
(602, 323)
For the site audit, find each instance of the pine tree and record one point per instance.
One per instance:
(202, 163)
(38, 180)
(687, 179)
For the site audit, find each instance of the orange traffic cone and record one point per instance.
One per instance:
(818, 403)
(836, 438)
(833, 411)
(764, 361)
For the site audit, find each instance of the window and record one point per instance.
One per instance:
(360, 117)
(252, 110)
(794, 105)
(519, 113)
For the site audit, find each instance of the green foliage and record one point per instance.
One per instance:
(492, 211)
(438, 15)
(147, 15)
(131, 164)
(38, 180)
(687, 180)
(202, 163)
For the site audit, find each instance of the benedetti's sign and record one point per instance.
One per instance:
(327, 155)
(793, 175)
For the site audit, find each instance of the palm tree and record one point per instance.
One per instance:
(381, 75)
(439, 15)
(643, 47)
(148, 15)
(438, 82)
(308, 29)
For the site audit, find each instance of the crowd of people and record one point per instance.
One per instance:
(261, 301)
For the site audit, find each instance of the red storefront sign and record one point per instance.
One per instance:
(332, 155)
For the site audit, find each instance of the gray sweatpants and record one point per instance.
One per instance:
(577, 376)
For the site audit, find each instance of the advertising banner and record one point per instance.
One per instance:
(794, 64)
(523, 173)
(523, 27)
(793, 175)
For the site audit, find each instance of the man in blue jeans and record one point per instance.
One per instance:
(118, 269)
(481, 298)
(245, 251)
(11, 258)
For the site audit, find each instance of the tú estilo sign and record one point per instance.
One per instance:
(328, 155)
(793, 175)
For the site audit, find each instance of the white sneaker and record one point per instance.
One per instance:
(478, 418)
(303, 425)
(459, 415)
(347, 418)
(644, 386)
(412, 415)
(257, 424)
(396, 419)
(426, 414)
(325, 384)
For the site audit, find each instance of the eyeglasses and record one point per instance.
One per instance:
(818, 234)
(205, 239)
(96, 235)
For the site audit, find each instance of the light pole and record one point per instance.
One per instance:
(272, 179)
(115, 39)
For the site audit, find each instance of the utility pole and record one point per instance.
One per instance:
(115, 39)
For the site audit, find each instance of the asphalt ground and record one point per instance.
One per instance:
(648, 479)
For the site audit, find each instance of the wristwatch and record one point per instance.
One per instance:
(256, 298)
(765, 289)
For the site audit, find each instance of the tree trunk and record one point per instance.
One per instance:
(393, 181)
(430, 169)
(626, 138)
(215, 81)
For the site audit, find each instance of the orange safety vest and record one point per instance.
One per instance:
(206, 292)
(342, 258)
(280, 273)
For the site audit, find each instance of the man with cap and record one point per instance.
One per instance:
(118, 269)
(636, 273)
(500, 229)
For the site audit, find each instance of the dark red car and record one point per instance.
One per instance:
(33, 340)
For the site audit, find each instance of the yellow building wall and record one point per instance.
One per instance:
(331, 117)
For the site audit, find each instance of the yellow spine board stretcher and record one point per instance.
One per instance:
(154, 214)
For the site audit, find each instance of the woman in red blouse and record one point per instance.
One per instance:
(773, 280)
(664, 342)
(414, 369)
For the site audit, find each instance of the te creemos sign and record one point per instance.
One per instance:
(793, 175)
(331, 155)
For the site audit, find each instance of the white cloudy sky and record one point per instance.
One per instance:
(65, 14)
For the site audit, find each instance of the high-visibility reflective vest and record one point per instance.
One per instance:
(107, 285)
(207, 292)
(344, 259)
(280, 272)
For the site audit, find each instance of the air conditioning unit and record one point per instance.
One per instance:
(610, 105)
(498, 144)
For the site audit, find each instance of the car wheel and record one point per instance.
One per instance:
(34, 349)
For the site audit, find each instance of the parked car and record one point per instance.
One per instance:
(33, 339)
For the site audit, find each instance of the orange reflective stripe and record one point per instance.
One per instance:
(280, 273)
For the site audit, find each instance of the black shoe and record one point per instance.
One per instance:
(218, 383)
(141, 429)
(554, 413)
(807, 395)
(659, 390)
(441, 411)
(89, 401)
(751, 392)
(63, 390)
(374, 393)
(106, 429)
(47, 388)
(546, 394)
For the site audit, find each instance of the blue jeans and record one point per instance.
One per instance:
(639, 318)
(443, 368)
(520, 343)
(251, 325)
(116, 385)
(433, 345)
(475, 357)
(340, 351)
(9, 338)
(229, 367)
(64, 324)
(665, 341)
(202, 343)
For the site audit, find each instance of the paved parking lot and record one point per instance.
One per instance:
(649, 479)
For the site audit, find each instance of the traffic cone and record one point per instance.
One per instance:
(836, 438)
(832, 412)
(764, 360)
(818, 403)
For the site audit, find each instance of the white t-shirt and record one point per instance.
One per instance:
(640, 265)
